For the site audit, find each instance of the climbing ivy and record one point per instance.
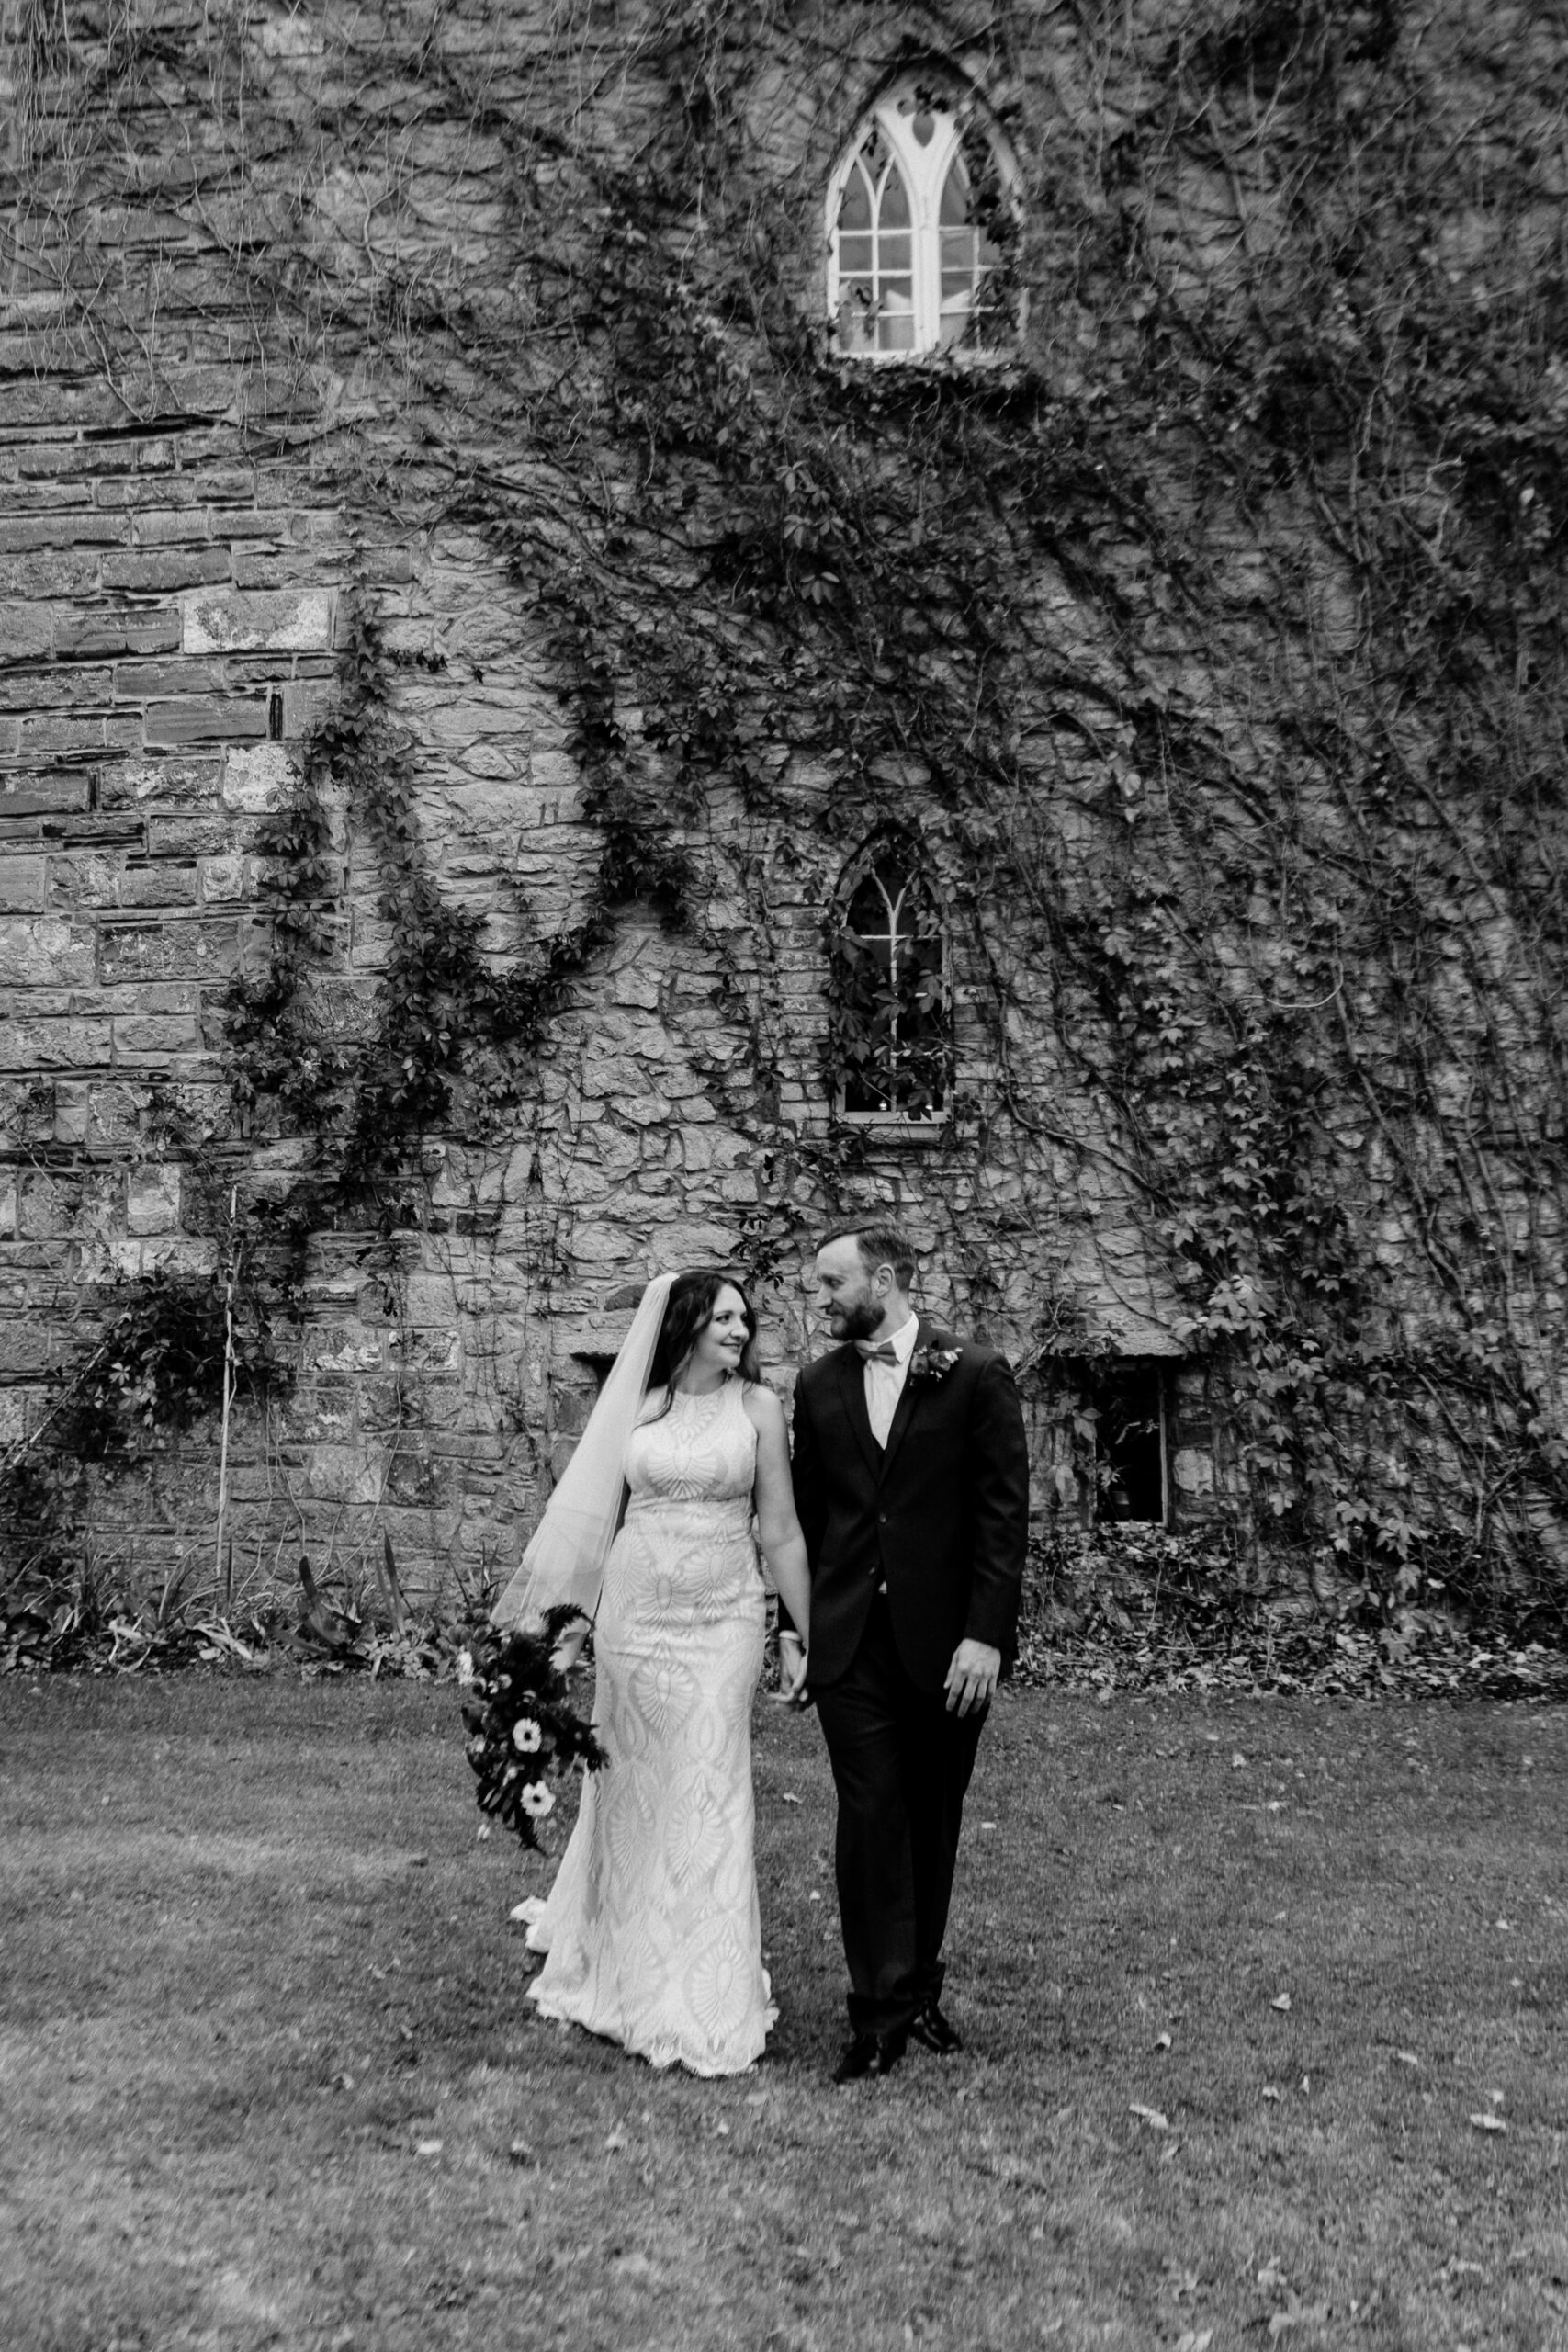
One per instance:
(1212, 642)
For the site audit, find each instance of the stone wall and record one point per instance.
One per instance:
(199, 498)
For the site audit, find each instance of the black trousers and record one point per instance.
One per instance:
(901, 1765)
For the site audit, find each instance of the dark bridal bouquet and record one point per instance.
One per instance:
(521, 1733)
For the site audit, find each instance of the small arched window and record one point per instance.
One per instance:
(891, 1038)
(920, 213)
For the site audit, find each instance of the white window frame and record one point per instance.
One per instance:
(924, 171)
(862, 868)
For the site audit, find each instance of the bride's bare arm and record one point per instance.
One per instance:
(778, 1529)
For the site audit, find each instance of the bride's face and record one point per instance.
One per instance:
(721, 1343)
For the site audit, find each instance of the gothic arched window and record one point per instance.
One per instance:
(918, 213)
(891, 1039)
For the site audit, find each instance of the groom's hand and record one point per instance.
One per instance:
(972, 1677)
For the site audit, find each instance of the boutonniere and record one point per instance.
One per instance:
(933, 1364)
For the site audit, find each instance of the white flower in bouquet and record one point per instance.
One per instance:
(537, 1800)
(527, 1736)
(466, 1668)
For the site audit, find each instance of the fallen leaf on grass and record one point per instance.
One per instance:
(1407, 2057)
(1151, 2116)
(1162, 2042)
(1269, 2091)
(1299, 2315)
(428, 2147)
(790, 1797)
(521, 2155)
(614, 2140)
(1281, 2001)
(1488, 2122)
(1195, 2339)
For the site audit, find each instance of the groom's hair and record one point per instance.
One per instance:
(880, 1243)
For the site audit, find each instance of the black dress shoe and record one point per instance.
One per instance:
(870, 2053)
(932, 2030)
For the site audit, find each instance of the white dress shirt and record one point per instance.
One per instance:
(884, 1382)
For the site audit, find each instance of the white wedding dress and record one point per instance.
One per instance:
(652, 1929)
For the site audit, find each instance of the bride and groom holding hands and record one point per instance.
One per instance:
(896, 1539)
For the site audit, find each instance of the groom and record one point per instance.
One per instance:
(911, 1483)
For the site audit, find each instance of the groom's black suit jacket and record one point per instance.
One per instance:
(941, 1514)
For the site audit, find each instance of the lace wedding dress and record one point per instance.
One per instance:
(652, 1929)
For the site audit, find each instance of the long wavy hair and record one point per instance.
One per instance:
(688, 1311)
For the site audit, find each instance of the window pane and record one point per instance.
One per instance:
(868, 909)
(955, 196)
(857, 327)
(854, 255)
(893, 252)
(855, 210)
(894, 211)
(895, 323)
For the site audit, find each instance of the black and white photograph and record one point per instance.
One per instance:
(783, 1175)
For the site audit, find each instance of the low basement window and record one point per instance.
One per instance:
(1122, 1417)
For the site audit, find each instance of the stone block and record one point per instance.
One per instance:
(26, 631)
(161, 571)
(53, 733)
(85, 878)
(344, 1473)
(206, 719)
(153, 1199)
(26, 1348)
(42, 576)
(1194, 1469)
(168, 951)
(232, 877)
(57, 1044)
(72, 1112)
(47, 1205)
(296, 621)
(44, 952)
(266, 568)
(70, 527)
(257, 777)
(186, 836)
(22, 881)
(146, 679)
(182, 781)
(155, 1036)
(158, 882)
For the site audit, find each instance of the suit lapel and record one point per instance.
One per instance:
(927, 1335)
(852, 1390)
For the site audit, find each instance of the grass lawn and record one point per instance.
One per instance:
(267, 2076)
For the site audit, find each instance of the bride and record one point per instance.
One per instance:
(652, 1929)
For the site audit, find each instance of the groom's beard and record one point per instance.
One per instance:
(857, 1322)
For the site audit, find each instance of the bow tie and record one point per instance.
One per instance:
(876, 1351)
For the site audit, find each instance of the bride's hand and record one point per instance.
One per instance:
(792, 1691)
(570, 1648)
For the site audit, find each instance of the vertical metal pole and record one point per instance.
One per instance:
(228, 1393)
